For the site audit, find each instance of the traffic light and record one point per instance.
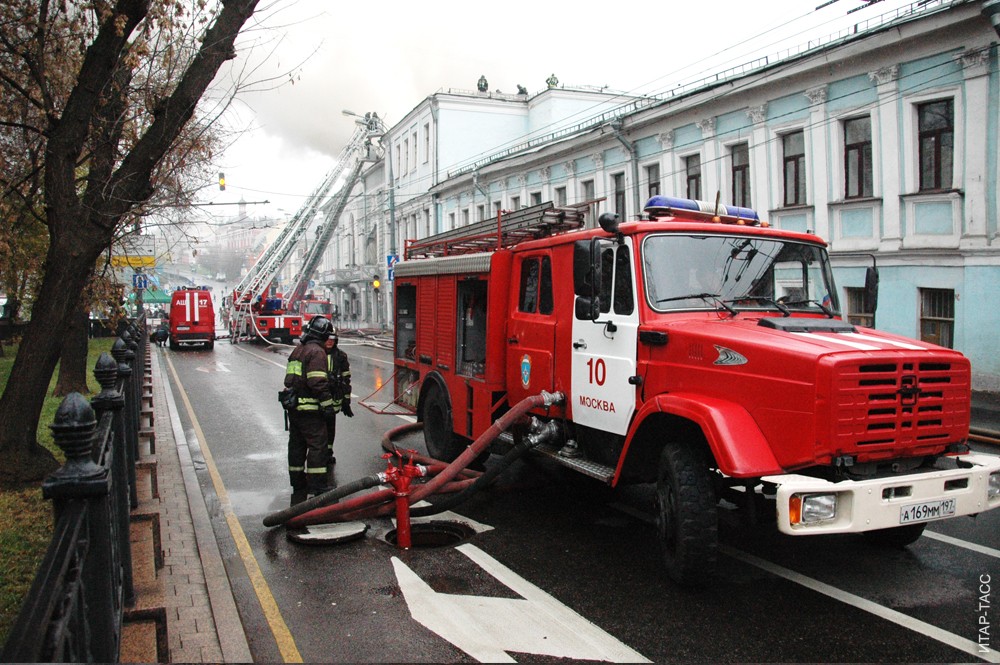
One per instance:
(222, 182)
(376, 283)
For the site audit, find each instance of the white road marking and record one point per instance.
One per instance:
(213, 367)
(486, 628)
(982, 549)
(922, 627)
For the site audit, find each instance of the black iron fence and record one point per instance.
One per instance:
(75, 608)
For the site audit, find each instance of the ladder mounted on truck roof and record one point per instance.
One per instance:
(510, 228)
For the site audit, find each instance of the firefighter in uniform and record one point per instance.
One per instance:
(339, 370)
(308, 445)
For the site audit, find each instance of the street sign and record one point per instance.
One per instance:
(140, 281)
(390, 262)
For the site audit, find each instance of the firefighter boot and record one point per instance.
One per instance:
(298, 496)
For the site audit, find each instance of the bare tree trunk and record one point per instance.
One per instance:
(24, 459)
(73, 354)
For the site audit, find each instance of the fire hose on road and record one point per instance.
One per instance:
(403, 493)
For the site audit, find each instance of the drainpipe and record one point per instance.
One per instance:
(616, 127)
(991, 10)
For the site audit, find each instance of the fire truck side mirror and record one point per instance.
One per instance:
(871, 289)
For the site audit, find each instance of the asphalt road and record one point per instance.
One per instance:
(557, 567)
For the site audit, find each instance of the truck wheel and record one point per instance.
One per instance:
(439, 434)
(897, 536)
(173, 344)
(210, 345)
(687, 518)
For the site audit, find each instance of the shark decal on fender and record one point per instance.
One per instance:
(729, 357)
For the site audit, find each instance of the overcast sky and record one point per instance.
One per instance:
(388, 56)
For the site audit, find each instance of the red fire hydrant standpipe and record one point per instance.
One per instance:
(400, 496)
(399, 477)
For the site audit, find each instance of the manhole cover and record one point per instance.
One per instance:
(434, 534)
(328, 534)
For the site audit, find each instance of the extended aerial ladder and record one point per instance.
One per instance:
(249, 314)
(361, 141)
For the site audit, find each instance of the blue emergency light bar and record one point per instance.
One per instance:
(659, 206)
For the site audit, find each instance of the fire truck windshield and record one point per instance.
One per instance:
(685, 272)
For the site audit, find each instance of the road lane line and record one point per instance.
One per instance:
(922, 627)
(982, 549)
(282, 635)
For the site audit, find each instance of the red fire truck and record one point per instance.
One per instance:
(698, 350)
(192, 317)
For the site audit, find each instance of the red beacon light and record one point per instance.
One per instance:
(671, 206)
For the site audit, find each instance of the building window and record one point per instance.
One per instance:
(399, 162)
(515, 203)
(536, 198)
(414, 144)
(936, 128)
(427, 142)
(406, 155)
(858, 158)
(653, 180)
(588, 190)
(451, 221)
(618, 183)
(856, 311)
(692, 168)
(794, 146)
(427, 222)
(740, 155)
(480, 213)
(560, 196)
(937, 316)
(496, 208)
(465, 216)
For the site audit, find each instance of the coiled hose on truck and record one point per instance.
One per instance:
(319, 511)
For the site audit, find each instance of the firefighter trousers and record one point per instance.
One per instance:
(308, 452)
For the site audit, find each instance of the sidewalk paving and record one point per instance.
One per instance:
(203, 624)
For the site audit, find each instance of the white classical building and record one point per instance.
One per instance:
(883, 140)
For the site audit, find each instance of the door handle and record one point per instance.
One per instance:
(512, 340)
(580, 345)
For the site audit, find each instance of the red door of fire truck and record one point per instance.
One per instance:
(604, 351)
(531, 327)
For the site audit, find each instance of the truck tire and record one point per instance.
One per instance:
(173, 344)
(439, 431)
(687, 520)
(897, 536)
(210, 345)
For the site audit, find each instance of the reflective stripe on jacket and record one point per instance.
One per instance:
(306, 374)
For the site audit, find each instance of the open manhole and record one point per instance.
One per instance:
(434, 534)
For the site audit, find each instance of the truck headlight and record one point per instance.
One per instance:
(993, 490)
(812, 508)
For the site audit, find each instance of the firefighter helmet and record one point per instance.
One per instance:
(318, 328)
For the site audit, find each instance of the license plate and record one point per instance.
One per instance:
(924, 512)
(184, 327)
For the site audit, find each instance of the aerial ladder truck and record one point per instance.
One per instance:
(252, 311)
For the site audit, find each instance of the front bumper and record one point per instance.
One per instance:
(881, 503)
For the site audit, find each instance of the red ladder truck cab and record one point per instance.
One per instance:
(192, 317)
(699, 350)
